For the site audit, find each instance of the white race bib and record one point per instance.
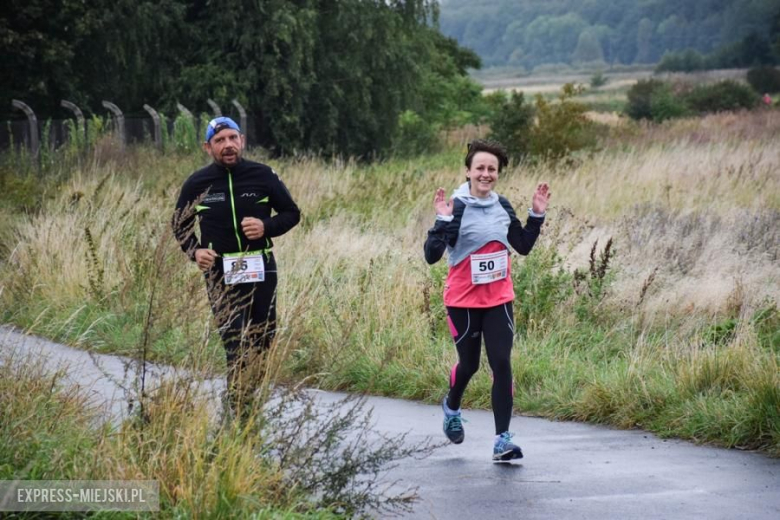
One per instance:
(489, 267)
(243, 267)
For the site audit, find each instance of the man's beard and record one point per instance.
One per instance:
(233, 158)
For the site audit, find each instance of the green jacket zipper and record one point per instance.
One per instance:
(233, 207)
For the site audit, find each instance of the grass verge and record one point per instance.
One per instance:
(674, 331)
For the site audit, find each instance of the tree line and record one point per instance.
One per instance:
(529, 33)
(754, 50)
(323, 76)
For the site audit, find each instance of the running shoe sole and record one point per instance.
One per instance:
(456, 438)
(507, 455)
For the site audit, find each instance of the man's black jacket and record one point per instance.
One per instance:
(221, 197)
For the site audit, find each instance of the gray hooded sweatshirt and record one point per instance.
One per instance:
(476, 222)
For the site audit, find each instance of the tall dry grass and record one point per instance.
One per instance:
(692, 207)
(292, 458)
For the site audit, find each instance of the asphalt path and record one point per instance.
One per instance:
(570, 470)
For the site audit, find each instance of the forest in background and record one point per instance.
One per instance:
(349, 78)
(327, 76)
(529, 33)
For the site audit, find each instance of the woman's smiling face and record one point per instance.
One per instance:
(483, 173)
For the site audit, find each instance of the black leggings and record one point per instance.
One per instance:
(246, 316)
(497, 326)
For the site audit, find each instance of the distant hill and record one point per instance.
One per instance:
(530, 33)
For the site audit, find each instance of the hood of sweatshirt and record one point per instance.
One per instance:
(464, 193)
(483, 220)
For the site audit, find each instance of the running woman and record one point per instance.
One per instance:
(477, 227)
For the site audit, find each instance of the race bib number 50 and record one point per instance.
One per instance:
(243, 267)
(489, 267)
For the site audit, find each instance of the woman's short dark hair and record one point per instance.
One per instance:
(491, 147)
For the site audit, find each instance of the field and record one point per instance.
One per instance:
(649, 301)
(609, 97)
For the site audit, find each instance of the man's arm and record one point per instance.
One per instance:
(287, 212)
(183, 221)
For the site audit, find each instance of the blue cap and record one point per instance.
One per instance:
(218, 124)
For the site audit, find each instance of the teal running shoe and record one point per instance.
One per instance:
(504, 450)
(453, 425)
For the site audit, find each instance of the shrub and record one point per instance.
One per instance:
(598, 80)
(685, 61)
(767, 325)
(20, 190)
(414, 135)
(165, 136)
(77, 139)
(665, 104)
(591, 284)
(657, 100)
(562, 127)
(453, 102)
(640, 98)
(670, 62)
(491, 105)
(721, 97)
(721, 333)
(511, 122)
(96, 128)
(764, 79)
(185, 135)
(541, 285)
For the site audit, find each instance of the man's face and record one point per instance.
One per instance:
(225, 147)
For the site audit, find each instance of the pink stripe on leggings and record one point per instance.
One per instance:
(452, 375)
(453, 330)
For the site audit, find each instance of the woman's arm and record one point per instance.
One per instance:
(436, 242)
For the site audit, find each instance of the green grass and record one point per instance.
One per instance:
(361, 310)
(205, 468)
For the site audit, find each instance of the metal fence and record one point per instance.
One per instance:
(30, 133)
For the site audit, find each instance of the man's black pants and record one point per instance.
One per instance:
(246, 316)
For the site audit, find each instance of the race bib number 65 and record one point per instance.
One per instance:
(243, 267)
(489, 267)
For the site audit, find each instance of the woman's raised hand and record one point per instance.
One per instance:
(541, 198)
(442, 205)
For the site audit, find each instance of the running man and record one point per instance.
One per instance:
(232, 201)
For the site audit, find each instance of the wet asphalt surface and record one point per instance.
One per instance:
(570, 470)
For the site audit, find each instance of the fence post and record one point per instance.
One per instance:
(157, 125)
(242, 115)
(33, 121)
(214, 107)
(195, 121)
(80, 124)
(184, 111)
(119, 121)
